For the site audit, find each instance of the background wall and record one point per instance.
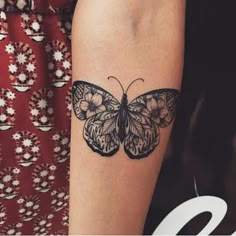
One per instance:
(203, 144)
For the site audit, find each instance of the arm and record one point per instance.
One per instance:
(127, 39)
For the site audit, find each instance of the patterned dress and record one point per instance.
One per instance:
(35, 107)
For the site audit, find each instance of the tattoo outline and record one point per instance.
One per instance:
(109, 123)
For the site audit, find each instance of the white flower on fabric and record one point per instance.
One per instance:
(57, 56)
(21, 58)
(28, 31)
(9, 190)
(22, 210)
(36, 123)
(1, 186)
(48, 48)
(11, 232)
(2, 102)
(15, 182)
(43, 173)
(7, 178)
(9, 48)
(2, 214)
(36, 228)
(69, 107)
(10, 111)
(56, 137)
(44, 184)
(42, 103)
(12, 68)
(19, 150)
(42, 222)
(64, 141)
(51, 177)
(54, 201)
(57, 149)
(31, 82)
(67, 78)
(11, 95)
(29, 204)
(37, 180)
(3, 15)
(40, 18)
(16, 136)
(34, 112)
(16, 170)
(63, 153)
(60, 195)
(3, 117)
(50, 66)
(22, 77)
(44, 119)
(27, 156)
(65, 218)
(59, 73)
(18, 225)
(35, 207)
(50, 94)
(66, 64)
(35, 25)
(35, 149)
(52, 167)
(50, 216)
(27, 142)
(25, 17)
(50, 110)
(29, 213)
(21, 4)
(2, 3)
(30, 67)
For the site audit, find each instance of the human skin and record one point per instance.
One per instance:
(127, 39)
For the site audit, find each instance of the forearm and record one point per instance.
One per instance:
(128, 39)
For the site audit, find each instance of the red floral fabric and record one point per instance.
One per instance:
(35, 107)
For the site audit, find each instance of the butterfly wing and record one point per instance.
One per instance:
(146, 114)
(89, 99)
(142, 137)
(100, 133)
(100, 110)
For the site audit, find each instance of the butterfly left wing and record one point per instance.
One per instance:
(146, 114)
(100, 110)
(85, 94)
(100, 133)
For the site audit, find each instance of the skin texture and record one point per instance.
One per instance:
(128, 39)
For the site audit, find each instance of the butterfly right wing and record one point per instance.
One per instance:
(147, 113)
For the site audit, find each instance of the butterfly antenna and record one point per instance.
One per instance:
(134, 82)
(113, 77)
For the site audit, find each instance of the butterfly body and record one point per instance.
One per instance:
(122, 118)
(110, 123)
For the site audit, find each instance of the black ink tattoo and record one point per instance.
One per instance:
(110, 122)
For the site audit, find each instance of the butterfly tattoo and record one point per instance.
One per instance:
(110, 123)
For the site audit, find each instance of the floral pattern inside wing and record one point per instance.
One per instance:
(92, 104)
(156, 109)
